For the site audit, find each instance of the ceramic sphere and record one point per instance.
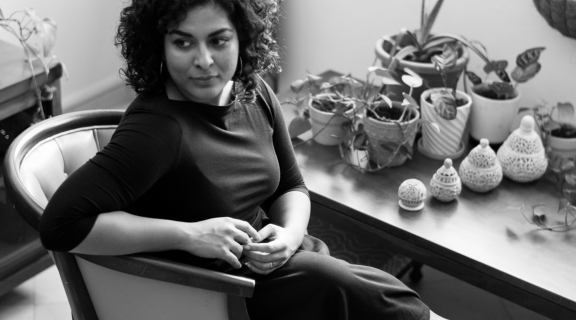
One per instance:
(412, 194)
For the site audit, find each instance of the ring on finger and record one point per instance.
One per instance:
(271, 265)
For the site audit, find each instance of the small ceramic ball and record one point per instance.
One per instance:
(412, 194)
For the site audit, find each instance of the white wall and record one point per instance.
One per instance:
(85, 44)
(341, 34)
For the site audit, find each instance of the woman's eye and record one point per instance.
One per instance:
(182, 43)
(219, 41)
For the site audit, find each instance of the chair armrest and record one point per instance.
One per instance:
(147, 266)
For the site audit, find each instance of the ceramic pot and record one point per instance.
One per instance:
(327, 127)
(492, 119)
(562, 147)
(450, 142)
(522, 154)
(431, 76)
(380, 132)
(481, 171)
(445, 185)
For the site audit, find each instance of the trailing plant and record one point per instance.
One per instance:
(538, 215)
(38, 38)
(527, 66)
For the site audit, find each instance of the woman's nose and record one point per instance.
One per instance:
(203, 58)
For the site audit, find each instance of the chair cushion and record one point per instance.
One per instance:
(48, 164)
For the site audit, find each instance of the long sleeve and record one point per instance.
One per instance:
(138, 155)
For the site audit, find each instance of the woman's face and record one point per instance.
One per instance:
(202, 53)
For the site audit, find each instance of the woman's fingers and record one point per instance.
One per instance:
(264, 268)
(248, 230)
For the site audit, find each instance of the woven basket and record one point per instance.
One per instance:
(560, 15)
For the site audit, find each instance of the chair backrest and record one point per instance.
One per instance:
(102, 287)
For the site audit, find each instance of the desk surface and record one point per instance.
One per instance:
(476, 238)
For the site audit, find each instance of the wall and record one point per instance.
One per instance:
(85, 44)
(340, 34)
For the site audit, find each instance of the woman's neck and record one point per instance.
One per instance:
(174, 93)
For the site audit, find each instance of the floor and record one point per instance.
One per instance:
(43, 298)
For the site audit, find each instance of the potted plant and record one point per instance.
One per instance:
(496, 102)
(414, 50)
(381, 130)
(559, 137)
(447, 107)
(321, 107)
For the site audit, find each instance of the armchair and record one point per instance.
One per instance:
(135, 286)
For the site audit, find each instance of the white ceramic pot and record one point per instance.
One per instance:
(492, 119)
(450, 142)
(327, 127)
(562, 147)
(380, 132)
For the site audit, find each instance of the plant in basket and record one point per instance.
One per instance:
(496, 101)
(415, 50)
(381, 133)
(322, 107)
(447, 107)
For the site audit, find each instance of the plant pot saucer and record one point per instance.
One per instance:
(431, 155)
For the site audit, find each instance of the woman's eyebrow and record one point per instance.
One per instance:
(186, 34)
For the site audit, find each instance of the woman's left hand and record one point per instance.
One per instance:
(281, 244)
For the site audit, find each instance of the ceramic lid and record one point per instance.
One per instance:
(446, 174)
(525, 140)
(482, 156)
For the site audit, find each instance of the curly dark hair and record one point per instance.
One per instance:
(144, 23)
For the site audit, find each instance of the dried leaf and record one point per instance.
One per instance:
(521, 75)
(528, 57)
(298, 126)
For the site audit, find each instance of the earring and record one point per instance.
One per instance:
(238, 72)
(161, 68)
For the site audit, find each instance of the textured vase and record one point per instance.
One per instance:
(380, 132)
(481, 171)
(327, 127)
(522, 155)
(445, 184)
(492, 119)
(449, 142)
(412, 193)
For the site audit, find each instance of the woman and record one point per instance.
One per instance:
(201, 169)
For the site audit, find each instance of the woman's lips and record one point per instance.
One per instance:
(205, 80)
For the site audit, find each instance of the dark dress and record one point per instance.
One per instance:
(189, 162)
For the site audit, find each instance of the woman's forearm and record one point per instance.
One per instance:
(117, 233)
(291, 211)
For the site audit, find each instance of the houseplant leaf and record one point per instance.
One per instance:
(297, 85)
(529, 57)
(444, 105)
(521, 75)
(473, 78)
(565, 110)
(495, 65)
(298, 126)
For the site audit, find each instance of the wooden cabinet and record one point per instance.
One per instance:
(21, 253)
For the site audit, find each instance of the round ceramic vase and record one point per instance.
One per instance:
(445, 185)
(327, 127)
(380, 132)
(522, 155)
(412, 193)
(449, 142)
(492, 119)
(562, 147)
(481, 171)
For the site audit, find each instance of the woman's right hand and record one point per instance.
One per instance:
(220, 238)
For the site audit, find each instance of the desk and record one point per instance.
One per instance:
(476, 238)
(21, 253)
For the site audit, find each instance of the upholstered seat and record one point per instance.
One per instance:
(103, 287)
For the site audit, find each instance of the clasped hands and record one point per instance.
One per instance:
(228, 239)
